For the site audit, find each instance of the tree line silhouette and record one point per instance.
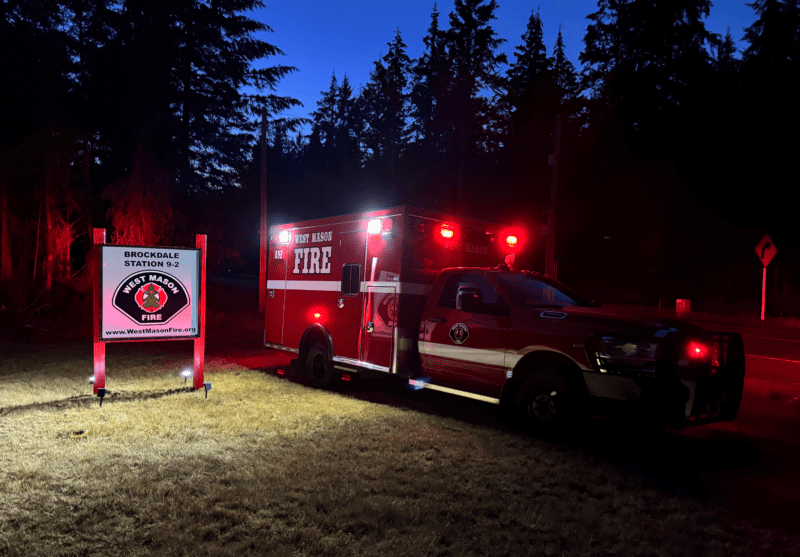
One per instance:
(676, 151)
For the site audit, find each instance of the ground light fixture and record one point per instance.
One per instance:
(207, 387)
(91, 379)
(101, 393)
(186, 373)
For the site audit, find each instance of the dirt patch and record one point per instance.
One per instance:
(84, 401)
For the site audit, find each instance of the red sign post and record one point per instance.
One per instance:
(145, 293)
(765, 250)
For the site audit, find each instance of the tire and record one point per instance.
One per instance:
(545, 404)
(319, 366)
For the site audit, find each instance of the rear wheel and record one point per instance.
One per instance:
(319, 367)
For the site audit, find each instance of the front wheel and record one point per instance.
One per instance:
(319, 367)
(546, 405)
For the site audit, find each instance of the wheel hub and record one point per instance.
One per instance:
(543, 407)
(318, 366)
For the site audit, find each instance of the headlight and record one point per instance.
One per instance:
(626, 355)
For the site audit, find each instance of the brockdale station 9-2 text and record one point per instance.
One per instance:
(152, 259)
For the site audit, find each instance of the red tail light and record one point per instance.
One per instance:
(511, 241)
(447, 231)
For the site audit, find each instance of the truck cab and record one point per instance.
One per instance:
(522, 338)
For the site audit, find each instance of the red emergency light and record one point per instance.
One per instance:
(317, 315)
(513, 239)
(447, 231)
(697, 350)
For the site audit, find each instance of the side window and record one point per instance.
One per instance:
(351, 279)
(491, 299)
(448, 297)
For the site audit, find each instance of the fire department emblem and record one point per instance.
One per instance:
(151, 297)
(459, 333)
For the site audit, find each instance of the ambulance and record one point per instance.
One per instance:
(436, 300)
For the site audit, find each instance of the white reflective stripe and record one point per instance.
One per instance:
(279, 347)
(319, 285)
(359, 363)
(344, 360)
(424, 385)
(465, 354)
(335, 286)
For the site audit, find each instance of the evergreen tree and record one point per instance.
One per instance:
(431, 81)
(528, 98)
(725, 54)
(326, 115)
(564, 77)
(36, 74)
(646, 61)
(385, 107)
(530, 67)
(472, 46)
(770, 66)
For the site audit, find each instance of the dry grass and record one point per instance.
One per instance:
(268, 466)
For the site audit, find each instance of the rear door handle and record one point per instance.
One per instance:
(437, 320)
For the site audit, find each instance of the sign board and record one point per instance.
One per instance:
(766, 250)
(149, 293)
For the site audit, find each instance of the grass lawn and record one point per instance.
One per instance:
(268, 466)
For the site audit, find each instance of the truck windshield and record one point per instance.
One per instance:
(539, 291)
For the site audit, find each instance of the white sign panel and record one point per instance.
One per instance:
(149, 292)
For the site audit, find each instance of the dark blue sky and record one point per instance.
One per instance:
(347, 36)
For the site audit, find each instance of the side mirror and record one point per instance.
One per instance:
(469, 299)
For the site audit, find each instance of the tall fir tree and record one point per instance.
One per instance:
(472, 47)
(431, 82)
(529, 70)
(564, 76)
(528, 99)
(646, 61)
(385, 109)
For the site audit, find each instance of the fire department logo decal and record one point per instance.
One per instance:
(459, 333)
(151, 297)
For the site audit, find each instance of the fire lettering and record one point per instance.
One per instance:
(314, 261)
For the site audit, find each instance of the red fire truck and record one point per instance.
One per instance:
(435, 299)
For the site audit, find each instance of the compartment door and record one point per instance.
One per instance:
(377, 348)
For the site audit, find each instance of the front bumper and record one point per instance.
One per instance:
(716, 398)
(679, 402)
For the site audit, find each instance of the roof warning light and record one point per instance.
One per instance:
(447, 231)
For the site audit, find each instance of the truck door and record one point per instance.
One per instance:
(349, 298)
(379, 325)
(467, 350)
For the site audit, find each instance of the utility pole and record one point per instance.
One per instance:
(550, 264)
(262, 268)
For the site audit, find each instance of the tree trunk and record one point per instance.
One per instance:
(49, 216)
(5, 247)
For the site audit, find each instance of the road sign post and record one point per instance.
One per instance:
(765, 250)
